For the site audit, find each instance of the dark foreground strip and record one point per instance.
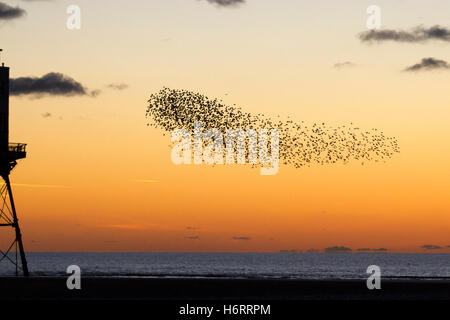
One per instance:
(230, 309)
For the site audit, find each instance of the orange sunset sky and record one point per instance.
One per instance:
(98, 179)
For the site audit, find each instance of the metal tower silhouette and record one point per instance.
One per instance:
(9, 154)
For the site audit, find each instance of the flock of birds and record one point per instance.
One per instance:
(299, 145)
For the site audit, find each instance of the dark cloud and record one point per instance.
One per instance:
(52, 83)
(417, 34)
(428, 64)
(372, 250)
(346, 64)
(431, 247)
(191, 228)
(118, 86)
(338, 249)
(47, 115)
(192, 237)
(8, 13)
(226, 3)
(242, 238)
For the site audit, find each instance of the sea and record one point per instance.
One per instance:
(236, 265)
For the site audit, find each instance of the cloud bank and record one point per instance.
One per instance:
(56, 84)
(192, 237)
(8, 13)
(428, 64)
(372, 250)
(338, 249)
(431, 247)
(417, 34)
(242, 238)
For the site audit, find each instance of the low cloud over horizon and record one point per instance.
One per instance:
(53, 84)
(338, 249)
(417, 35)
(242, 238)
(372, 250)
(431, 247)
(192, 237)
(428, 64)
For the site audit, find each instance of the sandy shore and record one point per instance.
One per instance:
(36, 288)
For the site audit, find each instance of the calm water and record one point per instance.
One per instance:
(238, 265)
